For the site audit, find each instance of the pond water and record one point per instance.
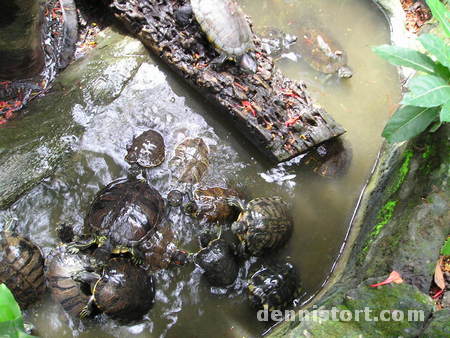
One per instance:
(322, 207)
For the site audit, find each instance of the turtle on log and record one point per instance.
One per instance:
(226, 27)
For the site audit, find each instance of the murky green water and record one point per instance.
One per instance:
(185, 305)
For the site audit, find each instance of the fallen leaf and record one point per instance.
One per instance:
(394, 277)
(439, 275)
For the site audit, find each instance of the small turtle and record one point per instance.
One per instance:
(263, 224)
(273, 287)
(330, 159)
(123, 291)
(322, 53)
(210, 204)
(21, 268)
(122, 214)
(218, 263)
(226, 27)
(147, 150)
(190, 160)
(61, 269)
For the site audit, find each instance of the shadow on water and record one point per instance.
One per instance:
(155, 98)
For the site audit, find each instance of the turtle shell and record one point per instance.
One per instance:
(124, 291)
(125, 211)
(219, 264)
(212, 205)
(320, 51)
(264, 224)
(273, 287)
(61, 267)
(225, 25)
(21, 268)
(147, 150)
(190, 161)
(330, 159)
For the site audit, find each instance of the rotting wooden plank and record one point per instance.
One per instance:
(275, 113)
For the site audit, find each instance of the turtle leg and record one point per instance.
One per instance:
(86, 277)
(248, 64)
(218, 61)
(76, 247)
(88, 309)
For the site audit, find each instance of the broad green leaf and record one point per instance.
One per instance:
(427, 91)
(446, 248)
(437, 47)
(9, 309)
(441, 13)
(444, 115)
(405, 57)
(407, 122)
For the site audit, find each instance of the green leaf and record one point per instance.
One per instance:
(446, 248)
(441, 13)
(427, 91)
(405, 57)
(444, 115)
(11, 322)
(442, 71)
(407, 122)
(9, 309)
(437, 47)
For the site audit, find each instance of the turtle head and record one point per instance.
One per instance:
(345, 72)
(190, 208)
(180, 257)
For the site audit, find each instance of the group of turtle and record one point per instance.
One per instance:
(128, 235)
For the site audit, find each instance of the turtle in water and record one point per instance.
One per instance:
(321, 52)
(226, 27)
(190, 160)
(210, 204)
(61, 269)
(330, 159)
(147, 150)
(273, 287)
(123, 291)
(121, 215)
(218, 262)
(21, 268)
(263, 224)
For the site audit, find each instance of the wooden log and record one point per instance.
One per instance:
(275, 113)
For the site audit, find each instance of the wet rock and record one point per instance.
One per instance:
(32, 147)
(438, 326)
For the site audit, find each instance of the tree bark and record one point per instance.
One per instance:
(21, 54)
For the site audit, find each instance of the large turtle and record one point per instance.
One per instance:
(210, 204)
(190, 160)
(21, 268)
(321, 52)
(218, 262)
(123, 214)
(273, 287)
(226, 27)
(263, 224)
(123, 291)
(147, 150)
(62, 268)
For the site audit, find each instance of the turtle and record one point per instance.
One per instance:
(123, 291)
(190, 160)
(21, 268)
(123, 214)
(227, 29)
(218, 263)
(321, 52)
(210, 204)
(147, 150)
(331, 159)
(263, 224)
(273, 286)
(62, 268)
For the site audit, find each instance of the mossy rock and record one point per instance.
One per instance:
(438, 326)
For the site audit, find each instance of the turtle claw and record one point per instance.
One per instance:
(137, 260)
(72, 249)
(85, 313)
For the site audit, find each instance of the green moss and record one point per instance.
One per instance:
(383, 217)
(402, 173)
